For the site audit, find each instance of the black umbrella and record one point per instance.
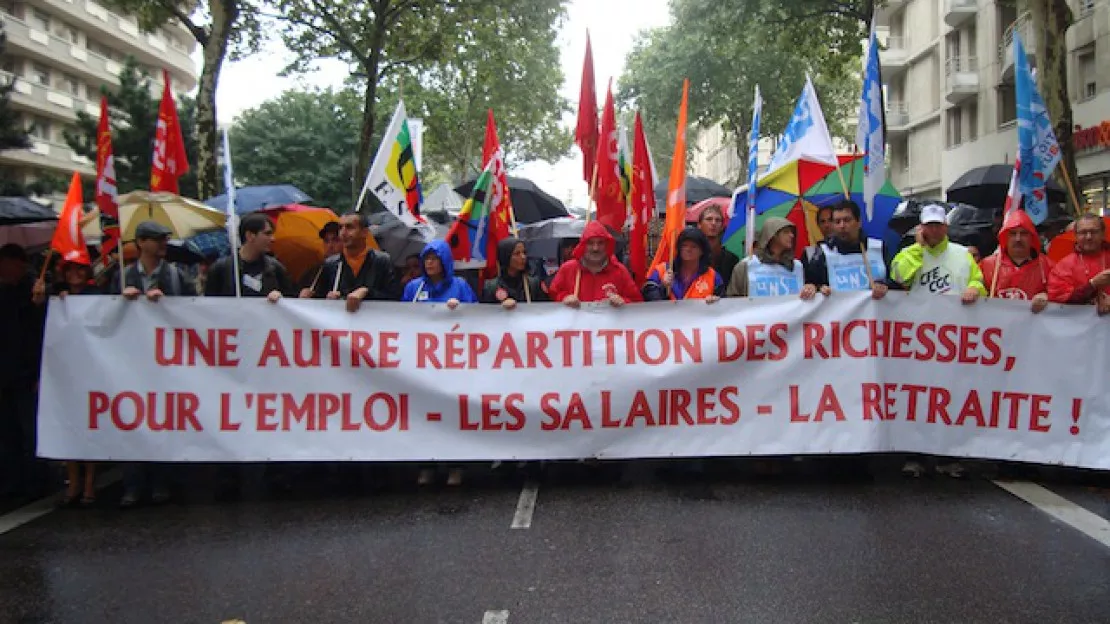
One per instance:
(987, 187)
(530, 202)
(17, 210)
(399, 240)
(967, 225)
(698, 189)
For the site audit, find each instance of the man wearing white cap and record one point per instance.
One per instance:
(935, 265)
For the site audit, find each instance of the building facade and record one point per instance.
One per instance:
(949, 72)
(60, 52)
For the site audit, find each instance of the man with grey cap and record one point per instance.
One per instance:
(935, 265)
(772, 270)
(151, 274)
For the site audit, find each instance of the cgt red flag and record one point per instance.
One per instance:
(170, 161)
(68, 241)
(585, 133)
(643, 201)
(106, 194)
(611, 208)
(500, 198)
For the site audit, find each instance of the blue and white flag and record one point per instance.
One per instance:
(1038, 151)
(232, 215)
(807, 134)
(869, 132)
(753, 171)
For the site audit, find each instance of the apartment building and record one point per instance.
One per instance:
(949, 71)
(60, 52)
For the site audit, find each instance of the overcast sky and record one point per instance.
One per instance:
(612, 24)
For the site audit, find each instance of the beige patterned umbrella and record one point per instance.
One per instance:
(184, 216)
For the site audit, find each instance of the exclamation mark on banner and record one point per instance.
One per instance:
(1076, 406)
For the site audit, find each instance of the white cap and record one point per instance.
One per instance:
(934, 213)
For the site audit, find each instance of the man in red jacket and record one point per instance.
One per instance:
(1084, 276)
(1022, 270)
(594, 273)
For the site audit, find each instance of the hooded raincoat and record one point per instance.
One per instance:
(425, 290)
(1070, 280)
(764, 275)
(1023, 281)
(506, 286)
(613, 278)
(704, 283)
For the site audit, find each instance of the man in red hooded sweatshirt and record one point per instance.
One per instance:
(1084, 276)
(1022, 270)
(594, 273)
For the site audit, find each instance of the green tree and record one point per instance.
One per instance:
(13, 135)
(1053, 18)
(726, 48)
(133, 115)
(221, 28)
(386, 41)
(508, 65)
(304, 138)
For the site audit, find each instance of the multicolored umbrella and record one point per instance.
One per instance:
(798, 190)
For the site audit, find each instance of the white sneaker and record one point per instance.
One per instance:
(425, 477)
(913, 469)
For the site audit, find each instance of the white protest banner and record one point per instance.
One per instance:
(245, 380)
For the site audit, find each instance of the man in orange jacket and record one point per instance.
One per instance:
(1084, 276)
(1022, 271)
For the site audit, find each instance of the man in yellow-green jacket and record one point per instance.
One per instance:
(935, 265)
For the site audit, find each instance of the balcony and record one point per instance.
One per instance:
(31, 96)
(897, 118)
(956, 12)
(1022, 26)
(57, 53)
(961, 78)
(895, 56)
(45, 154)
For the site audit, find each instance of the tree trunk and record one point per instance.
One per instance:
(224, 14)
(371, 66)
(1052, 74)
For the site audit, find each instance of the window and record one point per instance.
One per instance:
(953, 127)
(66, 32)
(1087, 74)
(40, 20)
(973, 121)
(8, 65)
(1007, 105)
(11, 8)
(71, 85)
(40, 128)
(1086, 7)
(41, 75)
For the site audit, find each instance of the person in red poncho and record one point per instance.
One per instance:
(594, 274)
(1022, 270)
(1084, 276)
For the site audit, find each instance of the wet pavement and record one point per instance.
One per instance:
(633, 542)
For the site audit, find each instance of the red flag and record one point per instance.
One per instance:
(106, 193)
(500, 200)
(611, 210)
(68, 241)
(585, 133)
(676, 188)
(643, 201)
(169, 162)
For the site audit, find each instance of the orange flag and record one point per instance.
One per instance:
(585, 132)
(611, 209)
(676, 189)
(170, 161)
(68, 241)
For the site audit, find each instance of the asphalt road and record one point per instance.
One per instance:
(633, 542)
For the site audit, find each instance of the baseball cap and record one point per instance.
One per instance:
(934, 213)
(152, 229)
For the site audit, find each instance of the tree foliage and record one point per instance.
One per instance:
(133, 115)
(434, 47)
(727, 47)
(1051, 52)
(13, 135)
(304, 138)
(220, 27)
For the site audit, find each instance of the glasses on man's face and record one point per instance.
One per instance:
(1085, 233)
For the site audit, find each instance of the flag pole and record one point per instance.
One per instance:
(589, 201)
(862, 239)
(1071, 189)
(232, 217)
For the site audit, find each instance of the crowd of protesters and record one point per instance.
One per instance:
(589, 271)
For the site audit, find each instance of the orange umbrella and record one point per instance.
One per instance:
(297, 241)
(1064, 244)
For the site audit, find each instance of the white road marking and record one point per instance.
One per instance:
(496, 617)
(34, 511)
(525, 507)
(1062, 509)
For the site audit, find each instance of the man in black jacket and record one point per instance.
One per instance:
(359, 272)
(260, 274)
(838, 263)
(151, 274)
